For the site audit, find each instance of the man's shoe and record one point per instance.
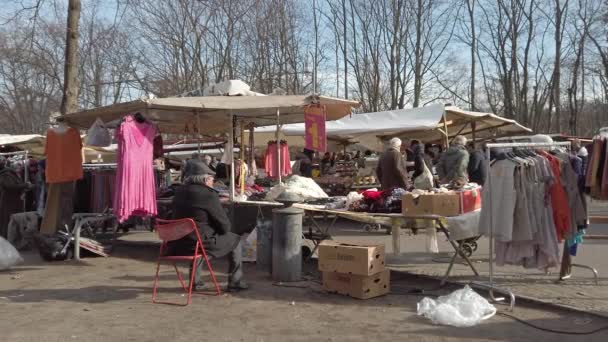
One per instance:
(236, 287)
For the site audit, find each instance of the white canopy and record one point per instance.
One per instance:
(182, 114)
(34, 143)
(425, 123)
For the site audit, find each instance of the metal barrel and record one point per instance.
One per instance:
(287, 244)
(264, 246)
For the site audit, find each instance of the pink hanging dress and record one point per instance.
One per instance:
(135, 192)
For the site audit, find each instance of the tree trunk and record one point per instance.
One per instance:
(418, 57)
(69, 102)
(471, 8)
(559, 11)
(345, 51)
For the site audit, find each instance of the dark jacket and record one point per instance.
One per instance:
(202, 204)
(11, 188)
(453, 164)
(391, 170)
(478, 168)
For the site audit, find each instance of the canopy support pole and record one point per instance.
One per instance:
(198, 130)
(242, 153)
(231, 137)
(474, 135)
(445, 129)
(278, 146)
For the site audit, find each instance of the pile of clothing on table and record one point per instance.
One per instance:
(376, 201)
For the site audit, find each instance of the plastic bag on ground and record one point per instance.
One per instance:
(461, 308)
(9, 256)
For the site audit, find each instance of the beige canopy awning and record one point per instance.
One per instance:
(463, 122)
(181, 114)
(33, 143)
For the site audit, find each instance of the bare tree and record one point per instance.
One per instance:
(69, 102)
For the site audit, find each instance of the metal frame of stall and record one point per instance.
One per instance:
(490, 285)
(396, 221)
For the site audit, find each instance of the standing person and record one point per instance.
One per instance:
(423, 174)
(452, 166)
(306, 163)
(581, 152)
(11, 188)
(326, 163)
(477, 168)
(199, 201)
(209, 162)
(391, 167)
(333, 159)
(410, 155)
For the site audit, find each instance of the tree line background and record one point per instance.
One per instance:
(541, 62)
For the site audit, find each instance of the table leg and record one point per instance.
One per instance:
(458, 251)
(396, 233)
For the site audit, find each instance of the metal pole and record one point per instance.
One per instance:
(474, 134)
(198, 130)
(231, 141)
(278, 146)
(242, 153)
(445, 128)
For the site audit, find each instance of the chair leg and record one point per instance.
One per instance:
(217, 286)
(155, 282)
(179, 276)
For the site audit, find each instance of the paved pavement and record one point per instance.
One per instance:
(579, 292)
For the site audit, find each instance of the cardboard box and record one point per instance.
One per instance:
(470, 200)
(358, 286)
(351, 259)
(444, 204)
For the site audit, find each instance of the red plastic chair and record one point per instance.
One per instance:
(171, 230)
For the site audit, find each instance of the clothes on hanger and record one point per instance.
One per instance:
(272, 169)
(536, 203)
(135, 192)
(63, 155)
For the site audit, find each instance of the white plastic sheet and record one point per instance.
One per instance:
(461, 308)
(9, 256)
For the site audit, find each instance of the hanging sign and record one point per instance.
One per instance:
(314, 119)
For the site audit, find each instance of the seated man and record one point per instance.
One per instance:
(197, 199)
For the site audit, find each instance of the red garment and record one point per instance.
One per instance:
(372, 195)
(271, 160)
(559, 198)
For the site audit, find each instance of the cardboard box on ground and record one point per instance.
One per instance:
(358, 286)
(354, 270)
(349, 258)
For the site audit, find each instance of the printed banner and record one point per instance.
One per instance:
(314, 118)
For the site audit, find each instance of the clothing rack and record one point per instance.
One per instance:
(491, 286)
(93, 166)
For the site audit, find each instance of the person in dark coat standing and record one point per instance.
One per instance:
(391, 167)
(197, 199)
(11, 188)
(477, 168)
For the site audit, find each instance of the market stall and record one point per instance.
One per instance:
(216, 115)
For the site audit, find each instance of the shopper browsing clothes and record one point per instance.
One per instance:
(477, 168)
(391, 167)
(452, 166)
(198, 200)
